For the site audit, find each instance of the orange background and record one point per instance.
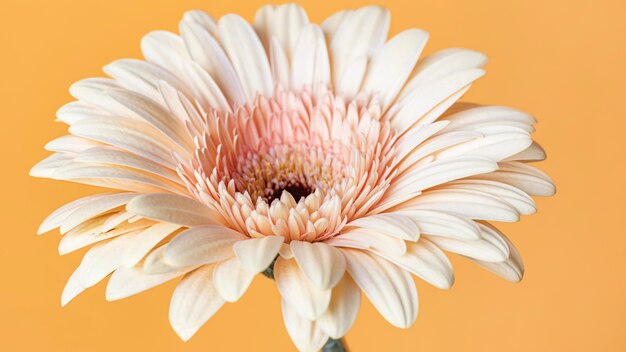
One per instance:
(563, 61)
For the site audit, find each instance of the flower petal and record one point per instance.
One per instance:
(256, 254)
(194, 301)
(342, 310)
(173, 209)
(390, 289)
(201, 245)
(297, 290)
(324, 265)
(231, 279)
(391, 224)
(304, 333)
(129, 281)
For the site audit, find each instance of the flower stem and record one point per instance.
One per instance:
(331, 345)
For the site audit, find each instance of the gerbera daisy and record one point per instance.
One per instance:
(325, 156)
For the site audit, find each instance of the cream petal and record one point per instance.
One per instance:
(111, 176)
(70, 144)
(525, 177)
(206, 90)
(112, 156)
(310, 66)
(246, 53)
(466, 203)
(155, 114)
(79, 110)
(173, 209)
(165, 49)
(142, 78)
(391, 67)
(322, 264)
(48, 166)
(491, 247)
(470, 117)
(425, 260)
(416, 108)
(207, 52)
(91, 232)
(132, 135)
(442, 171)
(441, 64)
(93, 91)
(342, 310)
(202, 19)
(511, 269)
(304, 333)
(256, 254)
(298, 291)
(390, 289)
(95, 208)
(231, 279)
(101, 260)
(154, 263)
(497, 143)
(194, 301)
(360, 34)
(283, 22)
(279, 63)
(129, 281)
(201, 245)
(439, 223)
(72, 288)
(520, 201)
(139, 246)
(57, 217)
(391, 224)
(533, 153)
(370, 239)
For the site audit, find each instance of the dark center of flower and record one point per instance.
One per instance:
(296, 190)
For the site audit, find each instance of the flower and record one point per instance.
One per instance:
(324, 150)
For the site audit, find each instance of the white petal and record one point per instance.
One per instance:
(93, 91)
(391, 67)
(95, 208)
(140, 245)
(438, 223)
(129, 281)
(466, 203)
(72, 288)
(113, 156)
(342, 310)
(48, 166)
(70, 144)
(165, 49)
(471, 117)
(231, 280)
(206, 90)
(391, 224)
(92, 231)
(132, 135)
(442, 171)
(511, 269)
(297, 290)
(520, 201)
(246, 53)
(173, 209)
(155, 114)
(55, 219)
(206, 51)
(533, 153)
(497, 143)
(427, 261)
(201, 245)
(360, 34)
(390, 289)
(491, 247)
(257, 254)
(283, 22)
(79, 110)
(324, 265)
(194, 301)
(310, 66)
(101, 260)
(525, 177)
(370, 239)
(303, 332)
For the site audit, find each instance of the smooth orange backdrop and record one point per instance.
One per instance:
(563, 61)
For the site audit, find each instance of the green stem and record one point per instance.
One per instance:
(331, 345)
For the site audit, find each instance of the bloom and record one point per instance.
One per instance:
(326, 148)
